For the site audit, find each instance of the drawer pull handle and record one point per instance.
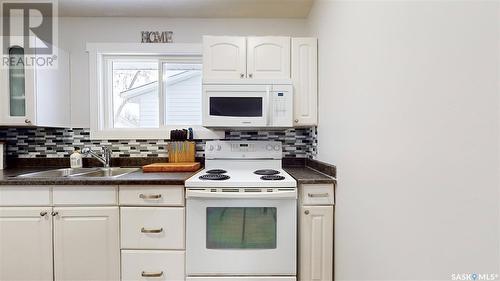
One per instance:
(150, 197)
(145, 230)
(152, 274)
(312, 195)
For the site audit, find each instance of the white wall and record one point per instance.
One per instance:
(76, 32)
(409, 114)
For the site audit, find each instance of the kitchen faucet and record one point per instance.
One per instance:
(104, 158)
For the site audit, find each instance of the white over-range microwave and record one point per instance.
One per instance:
(248, 105)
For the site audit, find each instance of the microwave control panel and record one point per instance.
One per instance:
(281, 103)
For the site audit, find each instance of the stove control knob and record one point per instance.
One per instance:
(277, 147)
(219, 147)
(211, 147)
(269, 147)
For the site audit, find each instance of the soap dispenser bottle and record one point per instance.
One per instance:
(75, 159)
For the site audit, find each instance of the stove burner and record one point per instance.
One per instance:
(216, 171)
(266, 172)
(272, 178)
(214, 177)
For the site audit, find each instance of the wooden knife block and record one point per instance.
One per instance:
(181, 151)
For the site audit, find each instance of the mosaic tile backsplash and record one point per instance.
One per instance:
(59, 143)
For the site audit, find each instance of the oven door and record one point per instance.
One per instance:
(240, 233)
(236, 105)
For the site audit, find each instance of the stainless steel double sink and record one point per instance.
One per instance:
(81, 173)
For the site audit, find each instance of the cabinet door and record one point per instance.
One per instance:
(19, 96)
(305, 81)
(268, 57)
(86, 243)
(25, 243)
(224, 57)
(316, 243)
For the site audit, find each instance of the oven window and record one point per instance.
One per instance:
(236, 106)
(241, 228)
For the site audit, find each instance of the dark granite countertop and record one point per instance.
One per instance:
(307, 175)
(304, 171)
(7, 177)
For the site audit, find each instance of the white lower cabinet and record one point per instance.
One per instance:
(152, 265)
(152, 233)
(316, 218)
(86, 243)
(316, 243)
(25, 243)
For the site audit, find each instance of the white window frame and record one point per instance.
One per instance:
(98, 52)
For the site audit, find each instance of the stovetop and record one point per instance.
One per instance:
(242, 164)
(238, 177)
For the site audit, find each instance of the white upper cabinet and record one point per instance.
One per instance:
(305, 81)
(230, 58)
(224, 57)
(34, 95)
(268, 57)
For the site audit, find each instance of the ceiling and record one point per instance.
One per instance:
(186, 8)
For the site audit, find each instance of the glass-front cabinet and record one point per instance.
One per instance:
(17, 93)
(18, 89)
(34, 89)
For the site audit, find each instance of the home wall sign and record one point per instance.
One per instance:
(156, 36)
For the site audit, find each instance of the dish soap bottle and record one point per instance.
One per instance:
(75, 159)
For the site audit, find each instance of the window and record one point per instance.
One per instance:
(142, 92)
(148, 92)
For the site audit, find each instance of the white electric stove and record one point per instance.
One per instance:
(241, 214)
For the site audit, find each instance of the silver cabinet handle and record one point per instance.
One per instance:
(55, 214)
(250, 75)
(152, 274)
(145, 230)
(312, 195)
(296, 120)
(43, 213)
(306, 212)
(150, 196)
(242, 75)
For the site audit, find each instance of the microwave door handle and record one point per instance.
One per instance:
(268, 105)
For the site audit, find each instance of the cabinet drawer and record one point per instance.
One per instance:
(137, 195)
(152, 228)
(25, 196)
(317, 194)
(85, 195)
(152, 265)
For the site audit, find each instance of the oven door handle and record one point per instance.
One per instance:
(268, 106)
(288, 194)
